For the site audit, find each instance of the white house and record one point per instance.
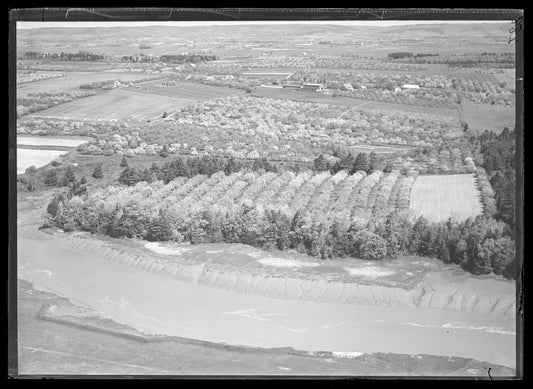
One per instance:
(411, 86)
(347, 86)
(363, 87)
(397, 89)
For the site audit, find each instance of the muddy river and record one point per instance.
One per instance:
(159, 305)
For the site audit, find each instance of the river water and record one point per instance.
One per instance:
(159, 305)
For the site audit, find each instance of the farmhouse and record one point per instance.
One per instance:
(410, 87)
(313, 87)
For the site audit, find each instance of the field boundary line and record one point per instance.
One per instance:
(351, 109)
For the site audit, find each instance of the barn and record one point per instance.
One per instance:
(313, 87)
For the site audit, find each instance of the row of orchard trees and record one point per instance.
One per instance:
(277, 122)
(481, 246)
(34, 102)
(326, 197)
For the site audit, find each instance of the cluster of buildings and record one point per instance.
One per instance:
(306, 86)
(314, 87)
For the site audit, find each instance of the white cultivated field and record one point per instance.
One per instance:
(438, 197)
(38, 158)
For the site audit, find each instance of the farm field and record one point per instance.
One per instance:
(71, 141)
(119, 104)
(271, 75)
(438, 197)
(37, 158)
(73, 80)
(508, 76)
(315, 97)
(481, 117)
(39, 150)
(184, 90)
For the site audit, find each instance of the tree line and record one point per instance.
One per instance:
(187, 58)
(79, 56)
(499, 161)
(481, 245)
(352, 163)
(206, 164)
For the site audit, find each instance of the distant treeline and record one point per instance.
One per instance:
(400, 54)
(187, 58)
(169, 58)
(456, 60)
(80, 56)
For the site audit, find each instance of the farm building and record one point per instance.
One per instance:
(347, 86)
(114, 85)
(313, 87)
(410, 87)
(292, 86)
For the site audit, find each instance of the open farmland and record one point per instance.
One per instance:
(37, 158)
(73, 80)
(316, 97)
(119, 104)
(438, 197)
(481, 117)
(184, 90)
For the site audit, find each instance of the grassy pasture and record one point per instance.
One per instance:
(481, 117)
(118, 104)
(438, 197)
(73, 80)
(508, 76)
